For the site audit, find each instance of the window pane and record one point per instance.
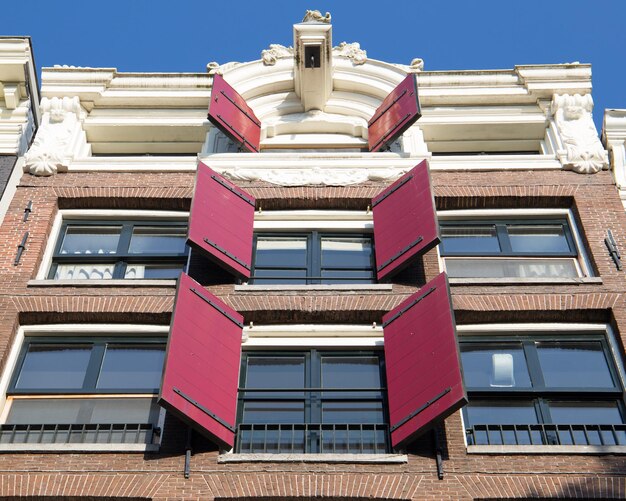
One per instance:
(487, 366)
(351, 372)
(84, 271)
(353, 412)
(347, 276)
(574, 365)
(274, 372)
(510, 268)
(158, 240)
(501, 412)
(585, 413)
(469, 239)
(281, 251)
(153, 271)
(285, 277)
(273, 412)
(83, 410)
(538, 238)
(54, 366)
(90, 240)
(129, 367)
(346, 252)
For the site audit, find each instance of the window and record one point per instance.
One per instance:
(124, 249)
(84, 390)
(313, 258)
(542, 389)
(521, 247)
(312, 402)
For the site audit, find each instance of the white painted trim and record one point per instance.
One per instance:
(79, 447)
(525, 280)
(313, 458)
(312, 342)
(97, 329)
(505, 328)
(546, 449)
(90, 215)
(317, 287)
(312, 330)
(48, 282)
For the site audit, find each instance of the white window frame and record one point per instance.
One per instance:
(74, 330)
(505, 330)
(582, 262)
(100, 215)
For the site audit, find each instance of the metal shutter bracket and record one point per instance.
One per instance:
(409, 306)
(217, 307)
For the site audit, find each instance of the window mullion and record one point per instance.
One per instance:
(93, 367)
(534, 367)
(314, 244)
(503, 239)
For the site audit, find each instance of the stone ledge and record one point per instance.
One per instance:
(312, 458)
(525, 281)
(546, 449)
(79, 448)
(336, 287)
(102, 283)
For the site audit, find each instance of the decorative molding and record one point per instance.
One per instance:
(417, 65)
(315, 16)
(580, 148)
(614, 139)
(274, 53)
(352, 51)
(60, 137)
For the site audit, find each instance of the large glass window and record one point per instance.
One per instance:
(313, 258)
(542, 389)
(515, 248)
(84, 390)
(119, 250)
(313, 401)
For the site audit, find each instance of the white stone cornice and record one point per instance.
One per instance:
(614, 139)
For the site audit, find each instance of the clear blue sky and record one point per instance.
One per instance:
(183, 35)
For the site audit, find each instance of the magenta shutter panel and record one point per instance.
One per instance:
(230, 113)
(405, 221)
(399, 110)
(221, 221)
(201, 372)
(424, 380)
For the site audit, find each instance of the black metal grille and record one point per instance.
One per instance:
(77, 433)
(547, 434)
(313, 438)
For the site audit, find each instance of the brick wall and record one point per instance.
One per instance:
(594, 201)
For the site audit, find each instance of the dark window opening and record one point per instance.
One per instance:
(312, 402)
(312, 56)
(313, 258)
(119, 250)
(542, 390)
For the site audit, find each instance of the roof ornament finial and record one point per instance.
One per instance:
(315, 16)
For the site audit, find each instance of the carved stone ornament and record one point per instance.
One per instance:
(581, 150)
(417, 64)
(59, 139)
(315, 16)
(352, 51)
(274, 53)
(314, 177)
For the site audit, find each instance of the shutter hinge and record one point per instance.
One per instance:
(394, 189)
(239, 134)
(232, 190)
(20, 249)
(27, 210)
(204, 409)
(422, 408)
(400, 253)
(217, 307)
(226, 253)
(409, 306)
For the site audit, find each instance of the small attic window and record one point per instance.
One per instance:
(312, 56)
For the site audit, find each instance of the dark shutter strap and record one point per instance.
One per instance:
(226, 253)
(409, 306)
(422, 408)
(374, 119)
(217, 307)
(204, 409)
(232, 190)
(375, 202)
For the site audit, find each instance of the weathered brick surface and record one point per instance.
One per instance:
(160, 475)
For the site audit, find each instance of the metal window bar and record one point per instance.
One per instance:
(131, 433)
(313, 438)
(547, 434)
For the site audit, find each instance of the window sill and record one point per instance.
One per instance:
(524, 281)
(316, 287)
(312, 458)
(101, 283)
(546, 449)
(79, 448)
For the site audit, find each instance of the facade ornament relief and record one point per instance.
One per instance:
(417, 65)
(352, 51)
(60, 137)
(315, 16)
(314, 177)
(580, 149)
(274, 53)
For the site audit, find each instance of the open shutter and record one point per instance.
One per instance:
(399, 110)
(202, 363)
(230, 113)
(405, 221)
(221, 221)
(424, 378)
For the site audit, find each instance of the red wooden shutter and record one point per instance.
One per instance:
(230, 113)
(221, 221)
(405, 221)
(201, 372)
(399, 110)
(424, 378)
